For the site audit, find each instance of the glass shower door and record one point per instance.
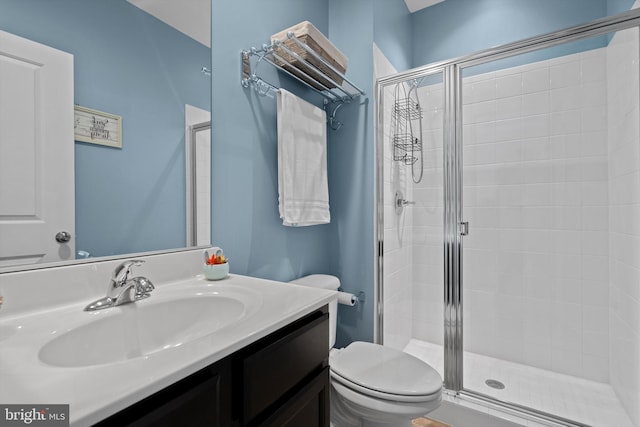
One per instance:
(541, 140)
(411, 215)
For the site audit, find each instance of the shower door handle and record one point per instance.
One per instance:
(463, 228)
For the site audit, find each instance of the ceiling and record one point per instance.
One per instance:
(416, 5)
(192, 17)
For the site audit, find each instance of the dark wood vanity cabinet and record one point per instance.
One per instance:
(201, 399)
(285, 376)
(309, 407)
(280, 380)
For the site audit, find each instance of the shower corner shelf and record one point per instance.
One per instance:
(330, 83)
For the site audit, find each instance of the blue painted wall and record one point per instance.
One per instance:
(245, 191)
(458, 27)
(618, 6)
(245, 221)
(392, 32)
(352, 169)
(133, 65)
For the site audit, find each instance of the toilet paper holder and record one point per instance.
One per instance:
(346, 298)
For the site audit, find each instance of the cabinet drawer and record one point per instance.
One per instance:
(280, 365)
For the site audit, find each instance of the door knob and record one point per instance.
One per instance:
(63, 237)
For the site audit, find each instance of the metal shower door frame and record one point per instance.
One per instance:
(454, 225)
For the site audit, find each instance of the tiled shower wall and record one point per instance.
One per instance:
(624, 218)
(428, 223)
(413, 291)
(397, 293)
(552, 192)
(535, 195)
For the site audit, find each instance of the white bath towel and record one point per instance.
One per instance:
(303, 190)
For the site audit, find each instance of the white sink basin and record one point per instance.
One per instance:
(139, 329)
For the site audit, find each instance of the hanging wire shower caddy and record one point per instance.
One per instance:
(406, 114)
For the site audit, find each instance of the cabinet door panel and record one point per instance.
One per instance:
(309, 407)
(277, 368)
(201, 399)
(197, 407)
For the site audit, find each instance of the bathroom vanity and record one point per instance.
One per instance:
(235, 352)
(280, 380)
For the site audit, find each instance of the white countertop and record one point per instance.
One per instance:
(98, 391)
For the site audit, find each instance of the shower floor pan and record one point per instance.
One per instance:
(585, 401)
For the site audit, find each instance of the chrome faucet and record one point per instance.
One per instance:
(123, 289)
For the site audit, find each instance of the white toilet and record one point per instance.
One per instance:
(373, 385)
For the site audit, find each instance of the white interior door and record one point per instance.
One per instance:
(198, 156)
(36, 152)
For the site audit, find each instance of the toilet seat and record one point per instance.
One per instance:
(384, 373)
(382, 395)
(393, 413)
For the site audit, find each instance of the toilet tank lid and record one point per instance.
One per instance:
(323, 281)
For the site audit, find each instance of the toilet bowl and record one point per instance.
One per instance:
(373, 385)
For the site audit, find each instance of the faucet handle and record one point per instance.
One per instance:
(143, 285)
(122, 271)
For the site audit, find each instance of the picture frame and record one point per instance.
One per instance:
(97, 127)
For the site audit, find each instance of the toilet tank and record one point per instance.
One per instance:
(324, 281)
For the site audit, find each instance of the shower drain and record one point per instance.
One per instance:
(494, 384)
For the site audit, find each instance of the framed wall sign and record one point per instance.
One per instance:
(97, 127)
